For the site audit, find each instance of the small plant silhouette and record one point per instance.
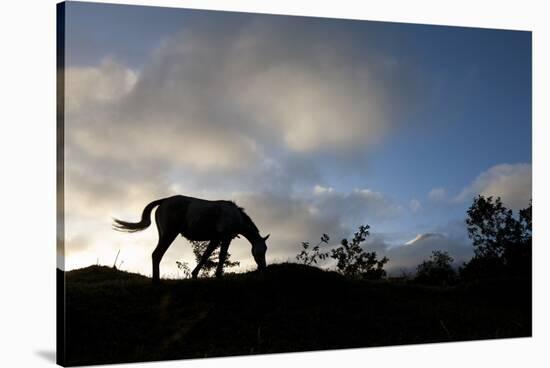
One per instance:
(184, 268)
(309, 257)
(353, 261)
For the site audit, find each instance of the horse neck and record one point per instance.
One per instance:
(251, 233)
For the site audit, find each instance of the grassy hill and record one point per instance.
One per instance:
(115, 316)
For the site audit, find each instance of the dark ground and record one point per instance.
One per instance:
(114, 316)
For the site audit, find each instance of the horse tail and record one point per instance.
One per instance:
(132, 227)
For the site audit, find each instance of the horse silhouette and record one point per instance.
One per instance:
(218, 222)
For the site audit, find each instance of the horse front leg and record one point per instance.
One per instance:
(207, 253)
(223, 255)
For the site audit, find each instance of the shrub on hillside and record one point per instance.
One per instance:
(352, 260)
(437, 270)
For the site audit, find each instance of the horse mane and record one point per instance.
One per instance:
(248, 219)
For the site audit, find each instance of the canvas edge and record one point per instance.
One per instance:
(60, 184)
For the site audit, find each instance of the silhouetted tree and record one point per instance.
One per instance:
(518, 256)
(199, 247)
(437, 270)
(352, 260)
(492, 227)
(309, 257)
(502, 242)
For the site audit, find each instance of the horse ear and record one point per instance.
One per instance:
(267, 236)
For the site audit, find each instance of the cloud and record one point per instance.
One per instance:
(320, 190)
(455, 229)
(78, 243)
(360, 206)
(292, 219)
(415, 205)
(105, 83)
(246, 111)
(511, 182)
(247, 105)
(437, 194)
(211, 101)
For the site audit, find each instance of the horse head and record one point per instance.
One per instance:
(258, 251)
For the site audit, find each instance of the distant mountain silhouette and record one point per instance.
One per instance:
(413, 252)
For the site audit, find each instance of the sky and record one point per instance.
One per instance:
(312, 125)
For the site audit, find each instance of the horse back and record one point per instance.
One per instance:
(207, 220)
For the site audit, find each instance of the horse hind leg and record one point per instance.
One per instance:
(223, 255)
(165, 240)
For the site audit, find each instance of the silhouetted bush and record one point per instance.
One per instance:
(502, 242)
(184, 268)
(437, 270)
(353, 261)
(199, 248)
(309, 257)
